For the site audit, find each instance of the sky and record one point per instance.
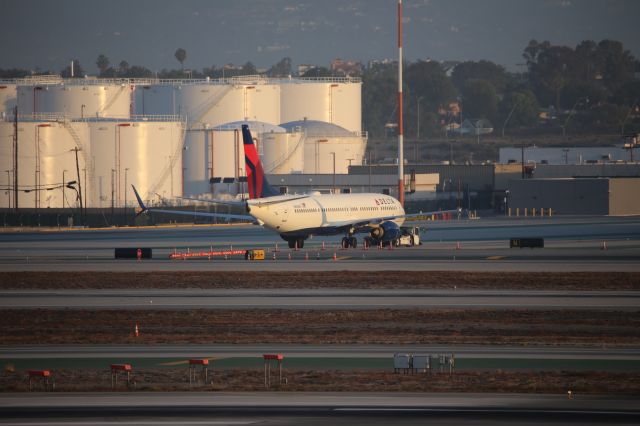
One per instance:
(47, 34)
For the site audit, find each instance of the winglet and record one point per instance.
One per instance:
(142, 206)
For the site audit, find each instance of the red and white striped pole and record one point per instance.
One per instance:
(400, 126)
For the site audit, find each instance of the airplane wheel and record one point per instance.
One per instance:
(300, 243)
(345, 243)
(292, 243)
(353, 242)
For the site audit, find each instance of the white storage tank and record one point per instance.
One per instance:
(8, 97)
(326, 147)
(214, 158)
(76, 98)
(336, 101)
(283, 153)
(197, 161)
(147, 154)
(45, 157)
(211, 102)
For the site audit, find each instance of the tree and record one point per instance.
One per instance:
(429, 81)
(481, 70)
(550, 72)
(318, 72)
(281, 69)
(124, 66)
(136, 71)
(617, 64)
(103, 63)
(479, 100)
(249, 69)
(520, 109)
(181, 55)
(379, 86)
(78, 71)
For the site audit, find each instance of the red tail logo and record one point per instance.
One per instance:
(258, 185)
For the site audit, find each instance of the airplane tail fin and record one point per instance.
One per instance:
(258, 185)
(143, 208)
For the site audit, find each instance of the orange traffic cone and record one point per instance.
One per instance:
(334, 256)
(604, 245)
(458, 245)
(137, 331)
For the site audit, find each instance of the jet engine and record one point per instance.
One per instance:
(387, 231)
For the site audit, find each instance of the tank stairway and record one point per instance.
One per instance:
(112, 100)
(205, 107)
(269, 168)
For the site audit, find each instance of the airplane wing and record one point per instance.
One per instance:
(365, 225)
(216, 201)
(189, 213)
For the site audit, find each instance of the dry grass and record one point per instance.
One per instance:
(339, 279)
(383, 326)
(176, 379)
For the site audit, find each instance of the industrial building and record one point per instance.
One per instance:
(571, 196)
(565, 155)
(169, 138)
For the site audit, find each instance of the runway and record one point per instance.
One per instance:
(312, 408)
(571, 244)
(317, 299)
(312, 351)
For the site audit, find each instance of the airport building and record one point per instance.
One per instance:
(565, 155)
(575, 196)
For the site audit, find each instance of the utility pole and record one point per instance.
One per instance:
(400, 125)
(79, 186)
(522, 150)
(15, 157)
(334, 171)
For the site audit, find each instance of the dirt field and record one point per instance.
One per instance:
(384, 326)
(342, 279)
(176, 379)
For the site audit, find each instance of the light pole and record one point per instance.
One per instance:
(86, 192)
(635, 102)
(63, 185)
(334, 171)
(126, 170)
(509, 117)
(418, 127)
(125, 195)
(564, 126)
(8, 192)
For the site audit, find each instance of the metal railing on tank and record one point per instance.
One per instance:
(64, 117)
(242, 79)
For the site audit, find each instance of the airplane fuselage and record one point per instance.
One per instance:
(323, 214)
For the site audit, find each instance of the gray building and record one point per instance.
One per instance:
(576, 196)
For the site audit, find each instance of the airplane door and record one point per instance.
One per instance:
(285, 214)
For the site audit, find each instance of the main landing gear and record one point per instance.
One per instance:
(349, 241)
(295, 242)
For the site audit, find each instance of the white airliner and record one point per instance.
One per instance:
(296, 217)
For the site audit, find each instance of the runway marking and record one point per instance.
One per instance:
(496, 257)
(137, 423)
